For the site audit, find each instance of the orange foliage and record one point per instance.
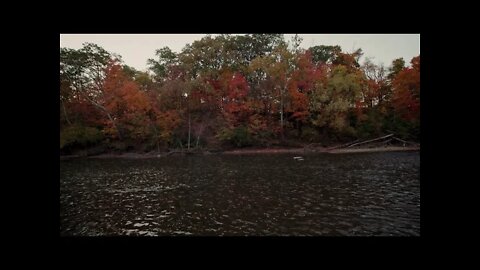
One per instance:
(124, 100)
(406, 91)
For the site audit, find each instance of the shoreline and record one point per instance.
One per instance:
(377, 149)
(247, 151)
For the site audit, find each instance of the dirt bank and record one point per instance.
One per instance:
(248, 151)
(378, 149)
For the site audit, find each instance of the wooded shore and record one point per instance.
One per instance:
(247, 151)
(385, 143)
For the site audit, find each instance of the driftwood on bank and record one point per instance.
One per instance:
(373, 140)
(405, 142)
(380, 140)
(175, 152)
(344, 145)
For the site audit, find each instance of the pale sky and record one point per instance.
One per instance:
(135, 49)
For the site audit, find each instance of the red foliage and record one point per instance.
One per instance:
(406, 91)
(299, 103)
(124, 100)
(235, 102)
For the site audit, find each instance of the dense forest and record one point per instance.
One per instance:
(230, 91)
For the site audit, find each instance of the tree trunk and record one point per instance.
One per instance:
(156, 137)
(120, 136)
(189, 131)
(102, 108)
(281, 113)
(65, 112)
(299, 128)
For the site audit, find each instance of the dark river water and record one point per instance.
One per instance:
(367, 194)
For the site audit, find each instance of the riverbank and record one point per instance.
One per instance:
(303, 150)
(369, 150)
(321, 150)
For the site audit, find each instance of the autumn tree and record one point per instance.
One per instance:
(333, 100)
(324, 54)
(166, 59)
(300, 86)
(397, 66)
(82, 73)
(241, 89)
(406, 91)
(373, 106)
(127, 105)
(277, 67)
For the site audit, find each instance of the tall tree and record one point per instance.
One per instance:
(397, 66)
(127, 104)
(279, 66)
(324, 54)
(166, 60)
(406, 91)
(333, 101)
(84, 69)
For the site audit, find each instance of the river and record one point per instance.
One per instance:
(362, 194)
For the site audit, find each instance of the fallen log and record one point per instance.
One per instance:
(373, 140)
(380, 143)
(343, 145)
(405, 142)
(174, 152)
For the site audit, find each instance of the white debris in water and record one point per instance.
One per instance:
(182, 232)
(147, 233)
(245, 222)
(128, 232)
(143, 233)
(140, 224)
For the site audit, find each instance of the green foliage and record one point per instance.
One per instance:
(309, 134)
(166, 58)
(325, 54)
(397, 66)
(370, 126)
(79, 136)
(239, 136)
(407, 130)
(333, 102)
(119, 146)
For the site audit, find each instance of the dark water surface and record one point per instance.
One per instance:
(325, 194)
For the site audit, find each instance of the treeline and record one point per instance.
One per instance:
(233, 91)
